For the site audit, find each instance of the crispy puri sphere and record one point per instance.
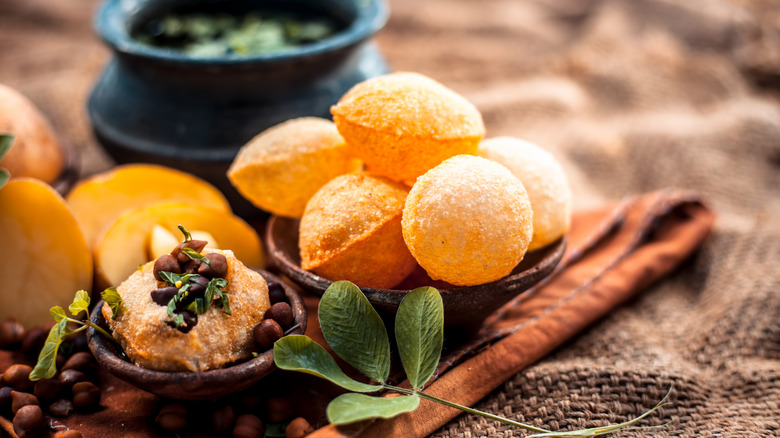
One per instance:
(351, 230)
(280, 169)
(403, 124)
(468, 221)
(543, 179)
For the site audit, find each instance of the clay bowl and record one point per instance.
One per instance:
(465, 308)
(206, 385)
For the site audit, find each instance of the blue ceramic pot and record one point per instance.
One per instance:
(163, 106)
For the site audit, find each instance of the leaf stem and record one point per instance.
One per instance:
(91, 324)
(468, 409)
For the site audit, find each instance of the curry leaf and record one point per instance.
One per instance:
(46, 367)
(354, 330)
(114, 301)
(419, 332)
(299, 353)
(80, 303)
(351, 407)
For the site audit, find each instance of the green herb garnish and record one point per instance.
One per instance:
(187, 235)
(356, 333)
(46, 367)
(195, 255)
(114, 301)
(6, 141)
(199, 305)
(215, 35)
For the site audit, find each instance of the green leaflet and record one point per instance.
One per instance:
(419, 333)
(6, 141)
(4, 177)
(80, 303)
(299, 353)
(354, 330)
(195, 255)
(351, 407)
(187, 235)
(46, 367)
(57, 313)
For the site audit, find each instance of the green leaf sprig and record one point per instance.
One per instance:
(356, 333)
(189, 252)
(6, 141)
(46, 367)
(214, 295)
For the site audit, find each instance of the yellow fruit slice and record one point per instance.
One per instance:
(123, 247)
(36, 152)
(161, 241)
(45, 257)
(100, 200)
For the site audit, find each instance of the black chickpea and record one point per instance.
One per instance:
(61, 408)
(298, 428)
(29, 422)
(279, 409)
(81, 361)
(11, 334)
(172, 417)
(267, 332)
(68, 378)
(276, 292)
(167, 263)
(85, 395)
(222, 419)
(47, 389)
(22, 399)
(248, 426)
(281, 313)
(18, 377)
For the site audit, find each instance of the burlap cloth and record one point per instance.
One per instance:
(632, 96)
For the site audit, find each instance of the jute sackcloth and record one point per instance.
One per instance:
(631, 97)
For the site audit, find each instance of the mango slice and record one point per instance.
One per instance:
(123, 246)
(45, 257)
(99, 201)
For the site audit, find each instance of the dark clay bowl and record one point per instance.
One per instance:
(158, 105)
(464, 307)
(206, 385)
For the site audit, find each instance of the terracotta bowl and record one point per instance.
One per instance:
(465, 308)
(206, 385)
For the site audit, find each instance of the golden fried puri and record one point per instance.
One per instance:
(280, 169)
(468, 221)
(403, 124)
(216, 340)
(351, 230)
(543, 179)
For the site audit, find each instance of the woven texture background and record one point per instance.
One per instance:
(631, 97)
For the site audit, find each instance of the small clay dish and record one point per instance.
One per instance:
(205, 385)
(465, 308)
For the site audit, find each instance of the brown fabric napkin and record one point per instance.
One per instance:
(613, 254)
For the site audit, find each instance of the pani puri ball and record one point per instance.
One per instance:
(403, 124)
(543, 179)
(351, 230)
(468, 221)
(280, 169)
